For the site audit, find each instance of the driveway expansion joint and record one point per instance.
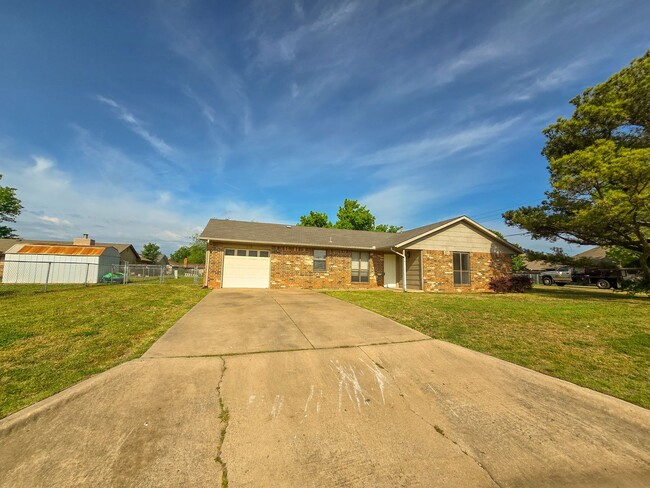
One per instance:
(293, 321)
(275, 351)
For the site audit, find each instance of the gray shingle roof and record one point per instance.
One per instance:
(280, 234)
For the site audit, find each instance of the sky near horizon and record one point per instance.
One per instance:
(138, 121)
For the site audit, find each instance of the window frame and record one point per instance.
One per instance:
(246, 253)
(358, 272)
(322, 262)
(464, 274)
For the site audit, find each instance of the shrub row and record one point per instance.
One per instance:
(510, 284)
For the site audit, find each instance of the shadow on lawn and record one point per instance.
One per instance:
(583, 294)
(7, 292)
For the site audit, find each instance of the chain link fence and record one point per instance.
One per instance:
(70, 274)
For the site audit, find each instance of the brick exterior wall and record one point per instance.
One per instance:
(438, 270)
(293, 267)
(214, 265)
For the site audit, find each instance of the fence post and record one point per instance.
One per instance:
(47, 277)
(125, 278)
(87, 271)
(161, 275)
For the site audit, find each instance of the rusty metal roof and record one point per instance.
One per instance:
(62, 250)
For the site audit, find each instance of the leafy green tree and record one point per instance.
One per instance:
(354, 216)
(10, 208)
(599, 164)
(623, 258)
(388, 228)
(195, 252)
(519, 263)
(351, 215)
(315, 219)
(180, 254)
(150, 251)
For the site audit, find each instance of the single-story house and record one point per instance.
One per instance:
(453, 255)
(161, 260)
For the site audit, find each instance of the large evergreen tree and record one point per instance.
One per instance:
(599, 164)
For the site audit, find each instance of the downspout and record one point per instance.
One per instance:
(403, 256)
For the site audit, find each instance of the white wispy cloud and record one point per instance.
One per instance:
(55, 220)
(285, 47)
(439, 146)
(206, 108)
(136, 126)
(559, 77)
(197, 48)
(60, 204)
(42, 164)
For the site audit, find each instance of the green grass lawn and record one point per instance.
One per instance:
(598, 339)
(49, 341)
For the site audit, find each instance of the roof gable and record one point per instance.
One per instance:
(429, 230)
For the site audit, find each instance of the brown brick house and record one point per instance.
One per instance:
(453, 255)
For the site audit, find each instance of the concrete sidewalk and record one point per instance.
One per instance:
(311, 391)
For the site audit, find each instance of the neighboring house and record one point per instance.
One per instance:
(597, 254)
(161, 260)
(453, 255)
(535, 267)
(128, 254)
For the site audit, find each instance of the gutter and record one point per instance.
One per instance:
(291, 244)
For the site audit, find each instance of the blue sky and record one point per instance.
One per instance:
(138, 121)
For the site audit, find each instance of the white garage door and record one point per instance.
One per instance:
(246, 268)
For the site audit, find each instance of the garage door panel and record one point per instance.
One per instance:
(246, 272)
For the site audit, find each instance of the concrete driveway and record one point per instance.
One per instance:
(294, 388)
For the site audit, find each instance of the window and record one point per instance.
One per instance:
(461, 268)
(320, 260)
(251, 253)
(360, 267)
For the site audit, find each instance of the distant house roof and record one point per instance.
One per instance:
(295, 235)
(5, 244)
(597, 253)
(57, 250)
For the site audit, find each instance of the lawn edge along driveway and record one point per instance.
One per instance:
(599, 340)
